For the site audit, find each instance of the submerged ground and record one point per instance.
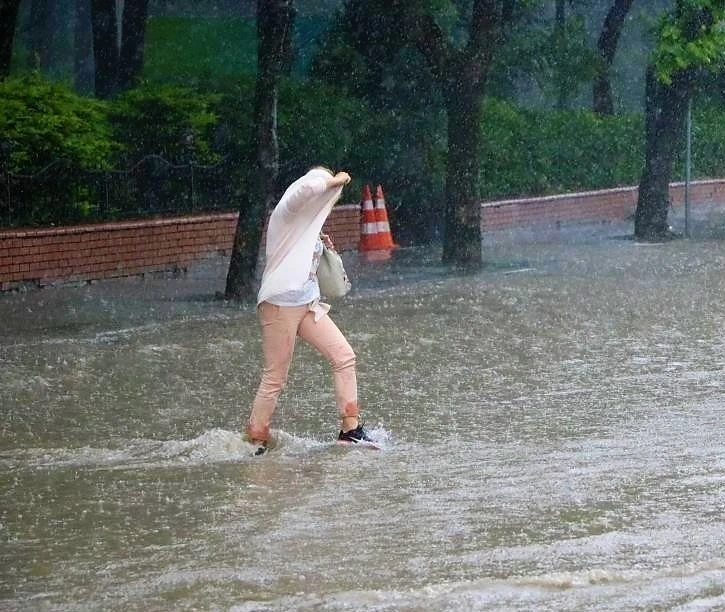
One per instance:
(551, 431)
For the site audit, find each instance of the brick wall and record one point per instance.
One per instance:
(343, 226)
(588, 206)
(106, 250)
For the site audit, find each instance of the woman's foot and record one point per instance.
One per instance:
(354, 436)
(261, 447)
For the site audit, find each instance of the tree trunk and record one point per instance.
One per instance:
(275, 20)
(8, 21)
(40, 35)
(261, 194)
(461, 74)
(559, 42)
(462, 240)
(83, 48)
(603, 103)
(665, 110)
(133, 36)
(105, 46)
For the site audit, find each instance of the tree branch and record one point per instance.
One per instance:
(485, 28)
(432, 43)
(612, 28)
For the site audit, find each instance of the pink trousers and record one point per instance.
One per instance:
(280, 327)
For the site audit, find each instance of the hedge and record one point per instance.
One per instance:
(523, 152)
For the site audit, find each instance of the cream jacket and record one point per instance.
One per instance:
(294, 227)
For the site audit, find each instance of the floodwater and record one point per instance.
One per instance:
(551, 433)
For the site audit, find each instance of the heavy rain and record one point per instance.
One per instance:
(548, 415)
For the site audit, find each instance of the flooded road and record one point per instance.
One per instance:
(551, 433)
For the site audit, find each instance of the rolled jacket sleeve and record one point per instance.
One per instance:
(311, 188)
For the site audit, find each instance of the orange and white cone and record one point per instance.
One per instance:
(368, 223)
(385, 237)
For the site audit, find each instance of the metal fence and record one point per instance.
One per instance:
(61, 193)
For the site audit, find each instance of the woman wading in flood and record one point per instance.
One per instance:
(289, 305)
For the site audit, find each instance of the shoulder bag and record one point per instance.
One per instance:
(331, 275)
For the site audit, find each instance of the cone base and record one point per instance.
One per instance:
(379, 255)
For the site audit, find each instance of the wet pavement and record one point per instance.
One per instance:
(550, 429)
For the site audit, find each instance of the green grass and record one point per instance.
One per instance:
(193, 50)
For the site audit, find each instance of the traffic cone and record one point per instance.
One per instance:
(368, 223)
(384, 236)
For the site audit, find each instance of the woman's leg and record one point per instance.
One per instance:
(326, 337)
(279, 330)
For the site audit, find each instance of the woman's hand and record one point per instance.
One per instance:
(327, 241)
(341, 178)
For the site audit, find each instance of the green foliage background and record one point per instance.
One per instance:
(195, 51)
(196, 105)
(173, 121)
(41, 122)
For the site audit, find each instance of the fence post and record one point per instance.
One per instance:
(6, 172)
(106, 188)
(688, 166)
(6, 147)
(193, 190)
